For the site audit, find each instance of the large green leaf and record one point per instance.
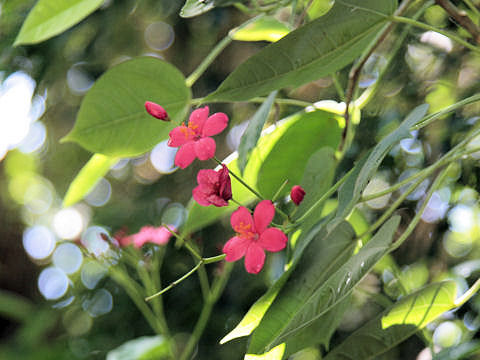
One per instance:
(350, 192)
(88, 177)
(112, 119)
(397, 323)
(317, 49)
(320, 294)
(142, 348)
(264, 28)
(253, 131)
(282, 153)
(51, 17)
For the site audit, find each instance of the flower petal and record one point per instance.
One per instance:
(263, 215)
(242, 221)
(216, 200)
(205, 148)
(200, 196)
(254, 258)
(215, 124)
(207, 177)
(273, 239)
(185, 155)
(180, 136)
(197, 119)
(235, 248)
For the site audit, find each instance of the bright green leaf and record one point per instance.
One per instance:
(325, 294)
(142, 348)
(318, 7)
(112, 119)
(275, 354)
(88, 177)
(51, 17)
(314, 50)
(350, 192)
(193, 8)
(253, 131)
(400, 321)
(264, 28)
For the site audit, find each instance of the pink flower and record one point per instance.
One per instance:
(156, 235)
(297, 194)
(156, 111)
(253, 236)
(194, 140)
(214, 187)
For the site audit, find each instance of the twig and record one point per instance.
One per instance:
(461, 18)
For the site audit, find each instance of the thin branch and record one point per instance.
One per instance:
(461, 18)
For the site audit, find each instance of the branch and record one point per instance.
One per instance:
(461, 18)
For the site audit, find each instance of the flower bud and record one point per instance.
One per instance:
(156, 111)
(296, 194)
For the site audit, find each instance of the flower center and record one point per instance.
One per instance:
(245, 231)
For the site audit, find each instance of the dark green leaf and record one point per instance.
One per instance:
(317, 49)
(350, 192)
(51, 17)
(280, 154)
(142, 348)
(88, 177)
(320, 296)
(252, 132)
(112, 119)
(397, 323)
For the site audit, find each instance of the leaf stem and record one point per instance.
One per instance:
(259, 99)
(468, 294)
(338, 86)
(472, 7)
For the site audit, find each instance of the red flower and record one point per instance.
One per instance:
(194, 140)
(156, 235)
(297, 194)
(253, 236)
(214, 187)
(156, 111)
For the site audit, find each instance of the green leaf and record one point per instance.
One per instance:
(397, 323)
(88, 177)
(350, 192)
(281, 153)
(112, 119)
(462, 351)
(318, 8)
(265, 28)
(51, 17)
(314, 50)
(319, 294)
(252, 132)
(197, 7)
(142, 348)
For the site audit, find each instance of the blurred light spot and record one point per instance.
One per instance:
(159, 35)
(68, 257)
(93, 242)
(162, 158)
(447, 334)
(35, 139)
(120, 170)
(471, 321)
(77, 322)
(175, 214)
(435, 209)
(92, 272)
(411, 146)
(100, 303)
(39, 242)
(419, 191)
(15, 103)
(52, 283)
(63, 303)
(425, 354)
(456, 244)
(100, 194)
(78, 79)
(68, 223)
(144, 171)
(467, 268)
(461, 218)
(120, 164)
(437, 40)
(473, 145)
(422, 61)
(235, 134)
(38, 196)
(467, 196)
(374, 186)
(371, 70)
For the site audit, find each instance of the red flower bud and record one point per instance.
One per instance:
(297, 194)
(214, 187)
(156, 111)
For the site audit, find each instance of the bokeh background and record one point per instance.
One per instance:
(57, 303)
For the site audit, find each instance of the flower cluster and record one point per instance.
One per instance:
(253, 234)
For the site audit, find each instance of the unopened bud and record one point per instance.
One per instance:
(156, 111)
(296, 194)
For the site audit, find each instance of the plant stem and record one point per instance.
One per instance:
(338, 86)
(424, 26)
(279, 191)
(184, 242)
(461, 18)
(469, 294)
(293, 102)
(202, 321)
(472, 7)
(193, 77)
